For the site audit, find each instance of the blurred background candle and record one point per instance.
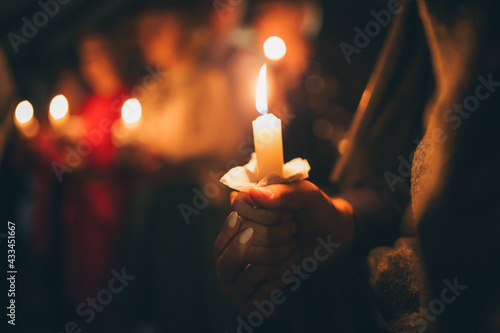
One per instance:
(267, 134)
(58, 112)
(274, 48)
(124, 130)
(131, 112)
(24, 119)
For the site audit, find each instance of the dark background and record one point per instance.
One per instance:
(53, 48)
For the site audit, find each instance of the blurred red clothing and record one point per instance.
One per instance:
(94, 203)
(98, 114)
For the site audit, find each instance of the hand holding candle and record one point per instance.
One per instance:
(267, 134)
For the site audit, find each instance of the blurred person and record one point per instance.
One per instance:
(95, 190)
(229, 48)
(186, 137)
(191, 103)
(70, 84)
(372, 258)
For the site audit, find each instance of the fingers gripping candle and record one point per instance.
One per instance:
(267, 134)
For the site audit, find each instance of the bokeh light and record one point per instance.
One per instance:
(274, 48)
(58, 107)
(24, 112)
(131, 111)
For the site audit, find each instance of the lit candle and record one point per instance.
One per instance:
(125, 129)
(267, 134)
(58, 112)
(131, 112)
(24, 119)
(274, 48)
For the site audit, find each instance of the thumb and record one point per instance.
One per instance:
(290, 196)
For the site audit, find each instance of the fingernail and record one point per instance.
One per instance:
(245, 236)
(265, 191)
(231, 221)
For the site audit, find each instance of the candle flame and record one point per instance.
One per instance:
(274, 48)
(131, 111)
(58, 107)
(261, 97)
(24, 112)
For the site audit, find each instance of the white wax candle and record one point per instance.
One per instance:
(268, 145)
(267, 134)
